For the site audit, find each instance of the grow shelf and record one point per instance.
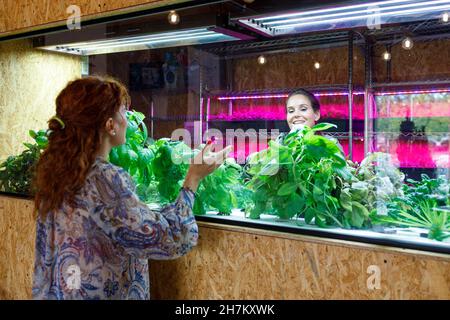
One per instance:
(344, 16)
(323, 90)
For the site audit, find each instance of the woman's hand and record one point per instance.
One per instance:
(204, 163)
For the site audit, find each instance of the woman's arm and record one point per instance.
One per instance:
(146, 233)
(131, 224)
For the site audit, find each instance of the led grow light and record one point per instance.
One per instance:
(408, 92)
(274, 96)
(370, 14)
(334, 94)
(145, 42)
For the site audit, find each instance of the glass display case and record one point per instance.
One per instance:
(374, 169)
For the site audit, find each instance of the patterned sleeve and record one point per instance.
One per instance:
(142, 232)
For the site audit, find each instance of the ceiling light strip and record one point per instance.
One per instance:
(150, 43)
(367, 10)
(134, 41)
(328, 10)
(404, 12)
(128, 39)
(146, 36)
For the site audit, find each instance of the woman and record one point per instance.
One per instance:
(94, 235)
(303, 109)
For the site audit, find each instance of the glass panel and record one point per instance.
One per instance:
(413, 126)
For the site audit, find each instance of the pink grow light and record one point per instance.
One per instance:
(392, 93)
(271, 96)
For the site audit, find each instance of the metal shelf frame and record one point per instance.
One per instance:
(364, 39)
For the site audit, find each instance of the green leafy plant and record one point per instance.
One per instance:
(17, 172)
(170, 166)
(372, 185)
(418, 206)
(437, 189)
(302, 176)
(216, 191)
(219, 190)
(136, 154)
(421, 214)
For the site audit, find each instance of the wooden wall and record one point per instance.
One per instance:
(427, 60)
(17, 236)
(243, 263)
(22, 15)
(296, 69)
(30, 81)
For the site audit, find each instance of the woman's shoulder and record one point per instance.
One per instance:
(103, 165)
(108, 171)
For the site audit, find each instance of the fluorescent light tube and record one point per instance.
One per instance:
(369, 9)
(401, 12)
(123, 42)
(131, 43)
(323, 11)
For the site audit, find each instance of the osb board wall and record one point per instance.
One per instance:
(427, 60)
(296, 69)
(30, 81)
(17, 235)
(239, 263)
(24, 15)
(243, 264)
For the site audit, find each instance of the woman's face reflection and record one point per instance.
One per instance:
(300, 112)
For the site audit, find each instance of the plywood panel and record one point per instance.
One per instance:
(23, 15)
(30, 81)
(428, 60)
(244, 264)
(17, 234)
(296, 69)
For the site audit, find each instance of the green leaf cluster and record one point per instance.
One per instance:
(221, 189)
(422, 204)
(17, 172)
(302, 176)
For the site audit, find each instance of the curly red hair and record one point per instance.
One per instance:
(84, 106)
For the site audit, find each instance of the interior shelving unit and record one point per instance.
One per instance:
(357, 130)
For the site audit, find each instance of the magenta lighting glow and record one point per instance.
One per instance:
(272, 96)
(278, 112)
(432, 106)
(331, 94)
(425, 91)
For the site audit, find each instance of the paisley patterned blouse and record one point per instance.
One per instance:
(98, 249)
